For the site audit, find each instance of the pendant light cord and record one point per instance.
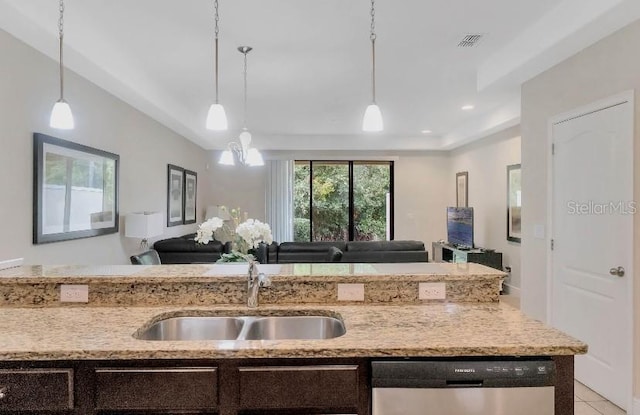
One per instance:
(245, 51)
(372, 36)
(60, 39)
(217, 30)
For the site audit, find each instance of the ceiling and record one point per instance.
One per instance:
(309, 72)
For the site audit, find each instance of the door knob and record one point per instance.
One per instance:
(617, 271)
(3, 392)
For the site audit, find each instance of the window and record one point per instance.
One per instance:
(343, 201)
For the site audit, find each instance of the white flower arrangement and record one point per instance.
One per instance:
(253, 232)
(204, 234)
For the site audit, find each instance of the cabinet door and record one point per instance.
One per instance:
(187, 389)
(36, 390)
(299, 387)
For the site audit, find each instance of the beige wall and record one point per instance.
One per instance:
(238, 187)
(607, 68)
(28, 89)
(487, 161)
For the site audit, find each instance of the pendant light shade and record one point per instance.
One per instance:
(226, 158)
(372, 120)
(254, 158)
(217, 118)
(61, 116)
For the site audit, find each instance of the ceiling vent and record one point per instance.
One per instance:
(470, 40)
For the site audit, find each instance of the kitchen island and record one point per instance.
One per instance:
(92, 349)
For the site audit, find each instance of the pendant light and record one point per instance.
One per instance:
(372, 121)
(216, 118)
(243, 151)
(61, 116)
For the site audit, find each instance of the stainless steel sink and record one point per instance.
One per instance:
(194, 328)
(294, 327)
(244, 328)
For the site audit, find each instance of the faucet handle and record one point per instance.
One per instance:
(265, 280)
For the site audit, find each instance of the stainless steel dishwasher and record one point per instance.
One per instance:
(463, 387)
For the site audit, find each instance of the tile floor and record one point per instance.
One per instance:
(587, 402)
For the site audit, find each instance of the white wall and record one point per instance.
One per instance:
(28, 89)
(486, 161)
(609, 67)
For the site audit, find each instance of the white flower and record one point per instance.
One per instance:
(252, 231)
(204, 234)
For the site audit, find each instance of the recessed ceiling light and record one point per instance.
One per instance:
(468, 107)
(426, 131)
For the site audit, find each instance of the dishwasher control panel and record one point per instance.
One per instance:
(462, 373)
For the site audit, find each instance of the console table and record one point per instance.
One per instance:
(443, 252)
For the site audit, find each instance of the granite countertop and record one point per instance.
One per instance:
(337, 272)
(445, 329)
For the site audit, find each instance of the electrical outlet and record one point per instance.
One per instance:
(74, 293)
(350, 292)
(432, 291)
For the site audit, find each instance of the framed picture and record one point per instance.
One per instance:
(175, 195)
(75, 190)
(190, 195)
(462, 189)
(514, 203)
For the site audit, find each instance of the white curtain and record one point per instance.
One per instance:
(280, 199)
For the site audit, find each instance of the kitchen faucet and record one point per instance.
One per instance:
(255, 281)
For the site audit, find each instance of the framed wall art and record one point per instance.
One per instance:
(462, 189)
(190, 196)
(514, 203)
(75, 190)
(175, 195)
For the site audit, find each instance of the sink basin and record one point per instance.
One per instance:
(194, 328)
(294, 327)
(244, 328)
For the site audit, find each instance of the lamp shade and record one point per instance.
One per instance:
(143, 225)
(254, 158)
(226, 158)
(61, 116)
(372, 120)
(217, 118)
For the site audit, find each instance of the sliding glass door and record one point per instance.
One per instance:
(343, 200)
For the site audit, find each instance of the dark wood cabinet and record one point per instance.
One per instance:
(153, 388)
(223, 387)
(299, 387)
(36, 389)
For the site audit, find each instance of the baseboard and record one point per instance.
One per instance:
(636, 407)
(512, 290)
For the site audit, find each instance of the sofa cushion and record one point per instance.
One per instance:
(186, 243)
(385, 256)
(322, 247)
(385, 246)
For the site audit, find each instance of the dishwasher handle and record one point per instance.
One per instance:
(464, 383)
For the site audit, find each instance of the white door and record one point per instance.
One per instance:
(593, 234)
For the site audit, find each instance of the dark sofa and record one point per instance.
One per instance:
(185, 250)
(354, 251)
